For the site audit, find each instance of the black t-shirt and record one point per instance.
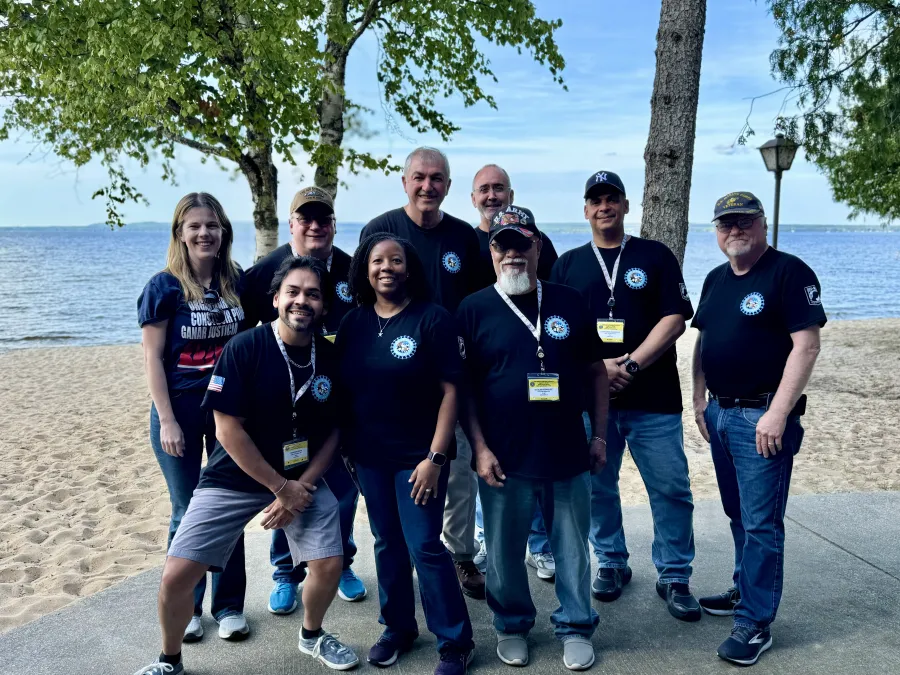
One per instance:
(449, 252)
(392, 383)
(251, 381)
(746, 322)
(194, 339)
(649, 286)
(486, 274)
(536, 440)
(259, 280)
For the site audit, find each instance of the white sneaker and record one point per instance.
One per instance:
(544, 563)
(480, 558)
(234, 627)
(194, 630)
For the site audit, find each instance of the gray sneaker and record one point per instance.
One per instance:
(329, 651)
(578, 653)
(544, 563)
(161, 669)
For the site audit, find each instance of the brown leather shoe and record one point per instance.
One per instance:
(471, 580)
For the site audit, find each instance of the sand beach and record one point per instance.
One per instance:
(84, 503)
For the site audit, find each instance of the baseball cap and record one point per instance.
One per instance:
(604, 178)
(739, 203)
(311, 195)
(515, 218)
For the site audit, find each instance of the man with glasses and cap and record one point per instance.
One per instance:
(313, 227)
(639, 304)
(759, 318)
(534, 364)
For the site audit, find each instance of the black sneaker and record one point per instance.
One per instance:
(722, 604)
(680, 601)
(607, 585)
(745, 645)
(384, 653)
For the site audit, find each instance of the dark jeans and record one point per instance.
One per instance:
(182, 475)
(754, 492)
(344, 489)
(402, 531)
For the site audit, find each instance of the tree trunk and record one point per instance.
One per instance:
(262, 175)
(331, 119)
(669, 156)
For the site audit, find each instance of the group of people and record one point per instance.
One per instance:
(456, 375)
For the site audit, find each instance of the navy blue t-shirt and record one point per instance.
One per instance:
(746, 322)
(392, 383)
(194, 340)
(487, 276)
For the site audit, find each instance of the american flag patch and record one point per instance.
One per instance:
(216, 382)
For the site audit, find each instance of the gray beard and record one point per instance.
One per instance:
(516, 283)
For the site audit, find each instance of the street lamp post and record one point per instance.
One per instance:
(778, 154)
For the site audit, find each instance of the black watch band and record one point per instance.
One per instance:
(632, 366)
(437, 458)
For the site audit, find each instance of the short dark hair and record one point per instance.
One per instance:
(302, 262)
(362, 290)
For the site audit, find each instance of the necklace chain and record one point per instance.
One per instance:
(297, 365)
(380, 327)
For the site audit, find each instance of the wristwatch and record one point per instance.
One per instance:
(437, 458)
(632, 367)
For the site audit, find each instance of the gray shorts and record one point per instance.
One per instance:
(216, 517)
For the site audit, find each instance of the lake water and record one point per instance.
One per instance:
(65, 286)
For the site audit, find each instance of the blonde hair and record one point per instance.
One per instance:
(178, 263)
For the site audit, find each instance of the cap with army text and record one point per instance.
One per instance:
(517, 219)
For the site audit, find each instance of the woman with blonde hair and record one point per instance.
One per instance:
(187, 313)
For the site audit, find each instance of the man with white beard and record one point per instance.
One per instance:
(534, 364)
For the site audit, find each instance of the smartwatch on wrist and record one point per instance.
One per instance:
(631, 367)
(437, 458)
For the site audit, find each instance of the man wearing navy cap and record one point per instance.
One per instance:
(533, 358)
(639, 305)
(759, 318)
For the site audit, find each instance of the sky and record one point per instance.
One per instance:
(548, 139)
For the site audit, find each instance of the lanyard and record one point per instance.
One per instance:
(312, 358)
(327, 263)
(534, 330)
(611, 279)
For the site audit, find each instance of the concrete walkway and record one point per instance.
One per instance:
(840, 612)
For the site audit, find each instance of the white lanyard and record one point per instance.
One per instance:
(534, 330)
(312, 359)
(327, 263)
(611, 279)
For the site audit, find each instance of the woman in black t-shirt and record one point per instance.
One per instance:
(400, 368)
(187, 313)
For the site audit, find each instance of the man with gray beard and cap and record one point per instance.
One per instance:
(534, 363)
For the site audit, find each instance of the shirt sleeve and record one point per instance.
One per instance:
(558, 273)
(226, 391)
(698, 322)
(547, 260)
(446, 347)
(157, 303)
(674, 297)
(801, 297)
(590, 343)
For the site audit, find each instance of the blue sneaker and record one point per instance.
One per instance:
(351, 587)
(283, 599)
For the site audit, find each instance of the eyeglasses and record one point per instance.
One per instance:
(523, 245)
(741, 223)
(325, 221)
(211, 299)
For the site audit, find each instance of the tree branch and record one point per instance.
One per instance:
(205, 148)
(364, 22)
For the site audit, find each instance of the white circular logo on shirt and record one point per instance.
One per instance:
(636, 278)
(452, 263)
(403, 347)
(343, 291)
(321, 388)
(557, 327)
(752, 304)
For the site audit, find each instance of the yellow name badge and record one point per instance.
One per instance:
(296, 453)
(611, 330)
(543, 387)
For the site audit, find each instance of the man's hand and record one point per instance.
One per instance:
(487, 466)
(598, 455)
(769, 431)
(277, 516)
(424, 479)
(296, 495)
(619, 378)
(171, 438)
(700, 419)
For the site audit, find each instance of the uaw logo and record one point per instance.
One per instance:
(403, 347)
(343, 291)
(451, 262)
(321, 388)
(752, 304)
(813, 296)
(636, 278)
(557, 327)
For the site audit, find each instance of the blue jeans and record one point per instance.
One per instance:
(537, 537)
(404, 531)
(508, 514)
(656, 441)
(182, 475)
(344, 489)
(754, 492)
